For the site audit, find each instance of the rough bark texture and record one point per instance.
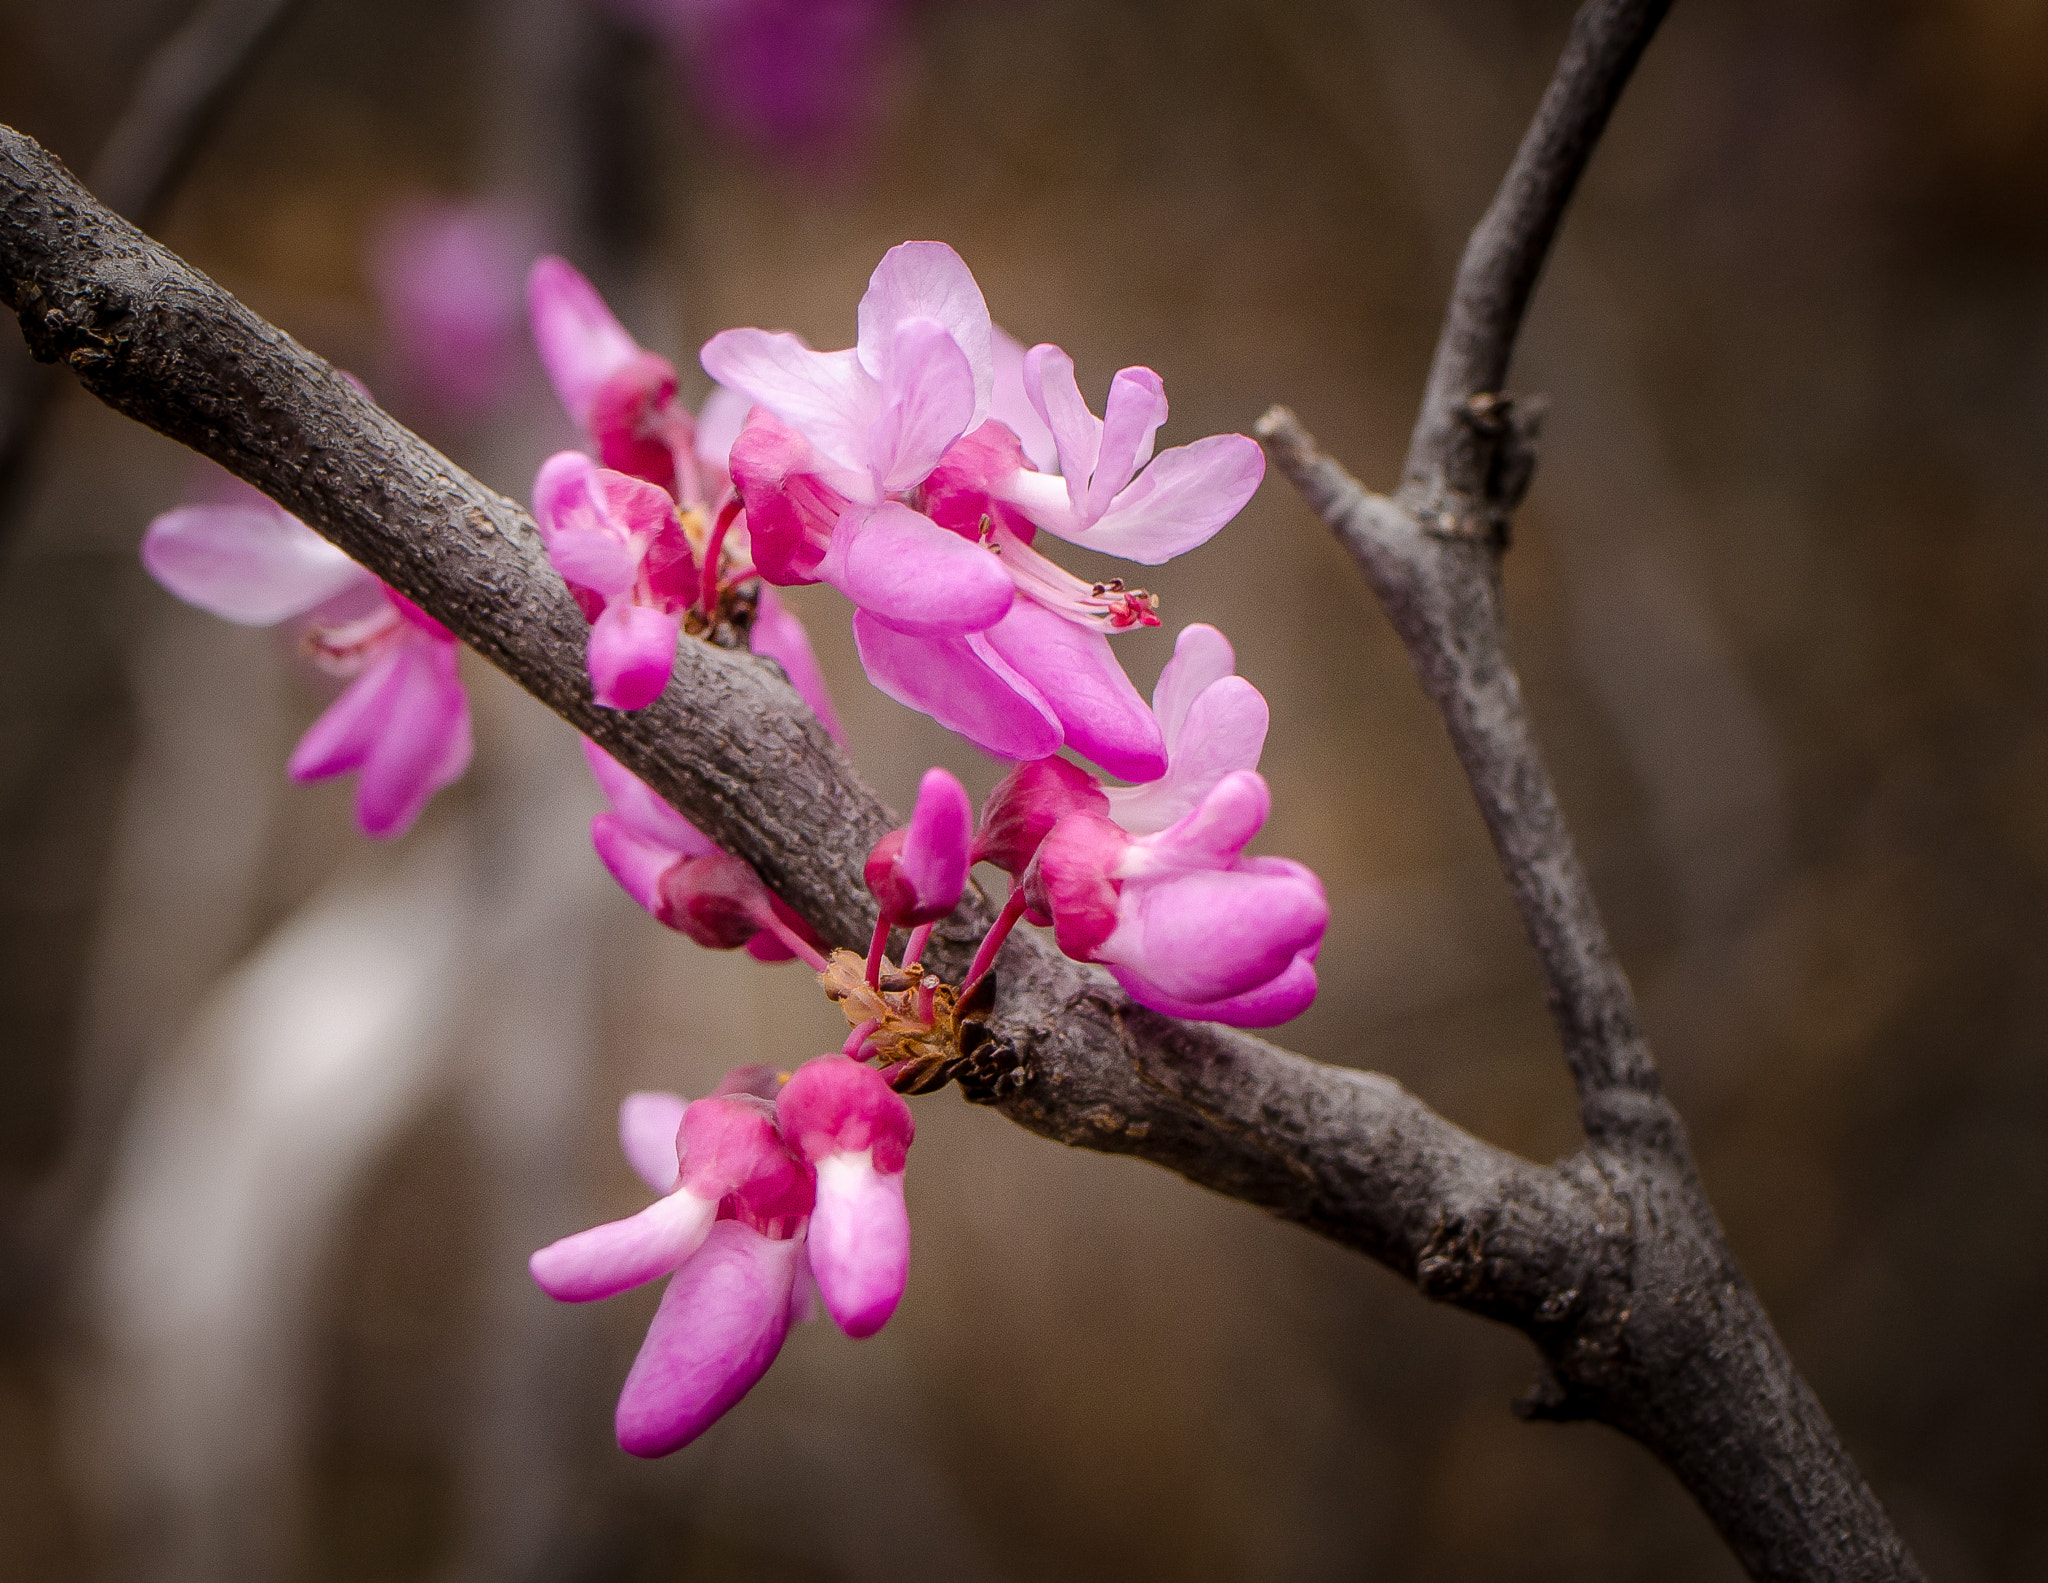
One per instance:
(1611, 1261)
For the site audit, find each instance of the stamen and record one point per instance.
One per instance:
(1106, 606)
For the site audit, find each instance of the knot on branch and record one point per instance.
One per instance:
(1494, 471)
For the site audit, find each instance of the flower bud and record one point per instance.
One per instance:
(917, 873)
(1024, 807)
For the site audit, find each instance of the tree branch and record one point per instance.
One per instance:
(1692, 1366)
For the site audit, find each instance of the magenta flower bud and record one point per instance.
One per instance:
(1187, 923)
(856, 1132)
(917, 873)
(1024, 807)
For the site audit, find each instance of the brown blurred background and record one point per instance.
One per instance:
(281, 1113)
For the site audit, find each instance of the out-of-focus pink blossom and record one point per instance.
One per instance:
(679, 876)
(403, 722)
(918, 872)
(1185, 921)
(800, 79)
(447, 277)
(843, 1118)
(730, 1229)
(1213, 721)
(620, 547)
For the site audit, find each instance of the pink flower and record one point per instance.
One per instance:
(620, 547)
(1213, 722)
(623, 396)
(447, 276)
(1186, 922)
(802, 79)
(845, 435)
(679, 876)
(404, 720)
(729, 1228)
(917, 873)
(843, 1118)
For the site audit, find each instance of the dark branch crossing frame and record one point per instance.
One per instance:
(1610, 1260)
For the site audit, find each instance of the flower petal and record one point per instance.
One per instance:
(648, 1124)
(424, 744)
(632, 651)
(1077, 432)
(1099, 710)
(638, 864)
(1276, 1001)
(859, 1242)
(1211, 837)
(1211, 934)
(1223, 732)
(826, 396)
(927, 280)
(253, 565)
(581, 343)
(1130, 418)
(906, 570)
(642, 810)
(964, 685)
(934, 858)
(1201, 656)
(1008, 403)
(623, 1254)
(928, 402)
(341, 739)
(719, 422)
(1177, 503)
(720, 1324)
(780, 635)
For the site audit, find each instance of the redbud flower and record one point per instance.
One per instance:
(619, 545)
(731, 1231)
(1183, 920)
(404, 720)
(917, 873)
(855, 1131)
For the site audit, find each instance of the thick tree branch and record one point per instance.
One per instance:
(1692, 1366)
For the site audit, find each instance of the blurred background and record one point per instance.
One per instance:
(282, 1112)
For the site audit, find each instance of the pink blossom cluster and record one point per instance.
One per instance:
(773, 1188)
(913, 472)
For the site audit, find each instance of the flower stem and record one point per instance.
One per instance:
(875, 951)
(859, 1037)
(992, 942)
(914, 952)
(707, 584)
(802, 948)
